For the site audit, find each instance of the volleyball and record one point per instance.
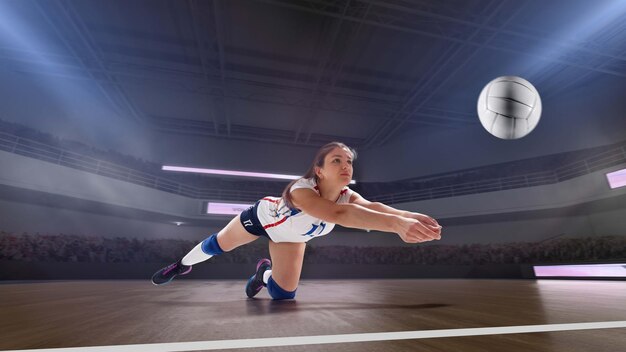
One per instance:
(509, 107)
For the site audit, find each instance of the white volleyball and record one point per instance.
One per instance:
(509, 107)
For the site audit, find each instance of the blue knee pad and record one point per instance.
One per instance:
(278, 292)
(210, 245)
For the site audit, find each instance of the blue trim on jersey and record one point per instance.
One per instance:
(313, 229)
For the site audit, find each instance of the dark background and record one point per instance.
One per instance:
(97, 95)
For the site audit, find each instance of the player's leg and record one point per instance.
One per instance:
(227, 239)
(283, 276)
(287, 259)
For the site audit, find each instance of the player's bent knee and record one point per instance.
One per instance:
(277, 292)
(210, 245)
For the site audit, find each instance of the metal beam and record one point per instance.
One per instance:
(540, 37)
(389, 129)
(88, 44)
(204, 62)
(335, 75)
(219, 38)
(385, 23)
(274, 136)
(578, 79)
(316, 93)
(381, 110)
(321, 67)
(136, 71)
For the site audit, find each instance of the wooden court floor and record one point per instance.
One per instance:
(55, 314)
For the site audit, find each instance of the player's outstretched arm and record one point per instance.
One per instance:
(357, 216)
(425, 219)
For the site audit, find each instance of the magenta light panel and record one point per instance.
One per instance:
(226, 208)
(617, 178)
(198, 170)
(581, 270)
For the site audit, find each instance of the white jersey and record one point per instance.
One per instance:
(283, 224)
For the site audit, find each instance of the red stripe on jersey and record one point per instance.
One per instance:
(272, 200)
(343, 192)
(276, 223)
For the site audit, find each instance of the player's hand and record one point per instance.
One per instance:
(426, 220)
(414, 231)
(422, 217)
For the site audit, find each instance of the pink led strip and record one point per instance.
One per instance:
(232, 173)
(617, 178)
(581, 270)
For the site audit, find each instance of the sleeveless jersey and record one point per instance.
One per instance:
(283, 224)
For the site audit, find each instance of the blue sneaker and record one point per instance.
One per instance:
(168, 273)
(255, 282)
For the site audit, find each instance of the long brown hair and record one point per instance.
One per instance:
(319, 162)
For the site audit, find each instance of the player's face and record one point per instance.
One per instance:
(338, 166)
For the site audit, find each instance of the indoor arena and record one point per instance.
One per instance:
(312, 175)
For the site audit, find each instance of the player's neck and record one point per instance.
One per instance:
(329, 191)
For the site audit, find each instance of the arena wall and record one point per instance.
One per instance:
(523, 214)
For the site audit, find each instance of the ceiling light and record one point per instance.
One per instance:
(232, 173)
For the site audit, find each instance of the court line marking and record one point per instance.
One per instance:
(330, 339)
